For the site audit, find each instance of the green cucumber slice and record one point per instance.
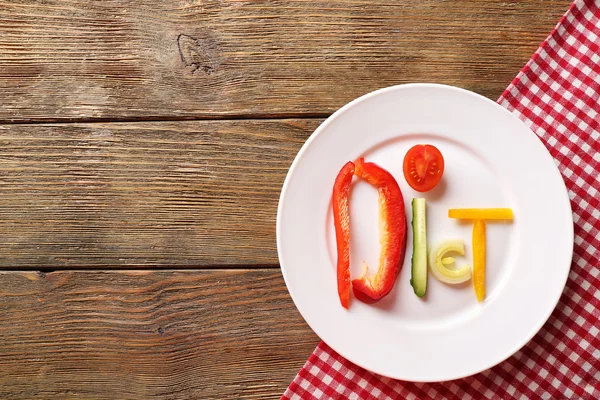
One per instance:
(418, 278)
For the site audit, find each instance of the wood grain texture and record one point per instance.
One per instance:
(184, 194)
(128, 59)
(164, 335)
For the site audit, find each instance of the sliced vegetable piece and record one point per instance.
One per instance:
(418, 278)
(481, 213)
(448, 260)
(341, 221)
(392, 233)
(423, 167)
(479, 259)
(438, 262)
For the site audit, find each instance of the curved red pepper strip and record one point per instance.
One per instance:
(392, 233)
(341, 220)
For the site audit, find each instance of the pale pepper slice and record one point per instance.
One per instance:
(438, 262)
(480, 215)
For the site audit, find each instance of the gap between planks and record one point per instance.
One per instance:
(129, 268)
(214, 117)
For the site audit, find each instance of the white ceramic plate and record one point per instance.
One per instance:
(492, 160)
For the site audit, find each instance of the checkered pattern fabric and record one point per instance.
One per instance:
(557, 94)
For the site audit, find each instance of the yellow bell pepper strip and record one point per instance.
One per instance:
(485, 214)
(480, 215)
(479, 259)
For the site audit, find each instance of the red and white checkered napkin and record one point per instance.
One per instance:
(557, 94)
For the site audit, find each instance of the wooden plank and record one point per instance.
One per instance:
(76, 59)
(146, 334)
(184, 194)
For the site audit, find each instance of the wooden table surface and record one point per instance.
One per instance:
(143, 145)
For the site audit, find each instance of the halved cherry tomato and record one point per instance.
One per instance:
(423, 167)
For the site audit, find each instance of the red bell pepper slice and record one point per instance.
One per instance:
(392, 233)
(341, 220)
